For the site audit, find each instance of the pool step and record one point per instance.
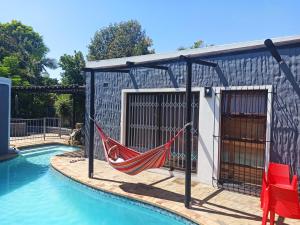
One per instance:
(40, 149)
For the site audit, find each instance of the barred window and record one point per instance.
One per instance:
(243, 139)
(153, 118)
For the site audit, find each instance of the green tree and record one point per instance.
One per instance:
(181, 48)
(23, 58)
(9, 66)
(63, 108)
(23, 52)
(120, 40)
(197, 44)
(72, 66)
(47, 81)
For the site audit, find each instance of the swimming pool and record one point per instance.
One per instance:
(32, 193)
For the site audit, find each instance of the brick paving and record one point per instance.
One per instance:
(209, 205)
(27, 142)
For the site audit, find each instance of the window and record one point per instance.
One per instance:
(153, 118)
(243, 139)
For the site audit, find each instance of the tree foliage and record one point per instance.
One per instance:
(63, 107)
(72, 66)
(23, 58)
(23, 53)
(120, 40)
(197, 44)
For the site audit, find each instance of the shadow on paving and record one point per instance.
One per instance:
(197, 204)
(202, 205)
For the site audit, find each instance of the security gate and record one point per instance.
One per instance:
(153, 118)
(243, 139)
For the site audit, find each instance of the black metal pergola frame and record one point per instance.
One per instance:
(73, 89)
(59, 89)
(154, 65)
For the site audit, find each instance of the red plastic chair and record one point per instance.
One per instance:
(277, 174)
(282, 200)
(264, 186)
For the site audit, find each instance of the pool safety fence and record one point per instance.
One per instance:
(38, 128)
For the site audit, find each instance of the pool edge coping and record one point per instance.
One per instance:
(123, 195)
(47, 144)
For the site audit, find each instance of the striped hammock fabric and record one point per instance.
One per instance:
(131, 162)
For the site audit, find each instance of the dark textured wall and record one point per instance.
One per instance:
(243, 68)
(4, 118)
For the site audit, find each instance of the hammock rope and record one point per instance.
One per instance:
(130, 161)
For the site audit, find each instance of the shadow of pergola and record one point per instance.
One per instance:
(201, 205)
(197, 204)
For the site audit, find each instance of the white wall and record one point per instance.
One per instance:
(207, 144)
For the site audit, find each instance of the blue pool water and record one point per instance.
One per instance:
(32, 193)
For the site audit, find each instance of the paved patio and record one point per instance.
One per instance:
(27, 142)
(209, 205)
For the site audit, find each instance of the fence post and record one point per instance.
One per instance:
(59, 121)
(44, 128)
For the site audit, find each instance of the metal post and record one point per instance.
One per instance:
(187, 199)
(73, 111)
(44, 128)
(59, 123)
(92, 112)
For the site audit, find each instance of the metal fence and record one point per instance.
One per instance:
(40, 128)
(153, 118)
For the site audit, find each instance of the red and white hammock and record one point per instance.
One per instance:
(130, 161)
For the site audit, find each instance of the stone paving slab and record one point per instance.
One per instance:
(209, 206)
(35, 142)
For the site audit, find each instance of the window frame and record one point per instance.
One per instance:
(145, 90)
(269, 90)
(125, 93)
(231, 138)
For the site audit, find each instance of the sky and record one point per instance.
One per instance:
(68, 25)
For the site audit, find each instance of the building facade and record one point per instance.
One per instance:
(245, 111)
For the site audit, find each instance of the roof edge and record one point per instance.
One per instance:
(211, 50)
